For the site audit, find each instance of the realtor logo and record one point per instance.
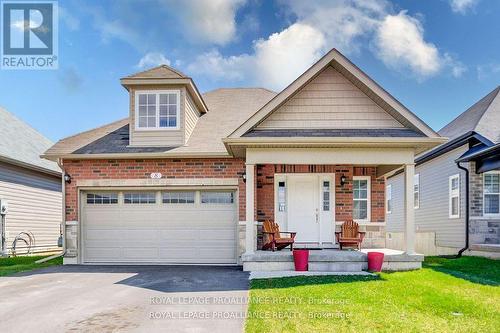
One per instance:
(29, 35)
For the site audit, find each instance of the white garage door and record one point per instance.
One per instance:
(185, 227)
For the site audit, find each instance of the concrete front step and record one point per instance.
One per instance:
(329, 261)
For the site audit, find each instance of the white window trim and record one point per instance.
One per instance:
(416, 180)
(157, 93)
(368, 198)
(388, 197)
(452, 195)
(484, 195)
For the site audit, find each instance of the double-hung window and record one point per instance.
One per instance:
(361, 197)
(157, 110)
(491, 193)
(454, 196)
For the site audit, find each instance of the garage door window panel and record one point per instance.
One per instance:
(139, 198)
(178, 197)
(217, 198)
(102, 198)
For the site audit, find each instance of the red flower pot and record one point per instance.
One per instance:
(375, 261)
(301, 259)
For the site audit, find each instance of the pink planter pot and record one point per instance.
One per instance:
(301, 260)
(375, 261)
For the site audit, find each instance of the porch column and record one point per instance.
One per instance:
(409, 209)
(250, 209)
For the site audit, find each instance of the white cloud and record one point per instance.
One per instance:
(345, 23)
(208, 21)
(284, 56)
(214, 65)
(275, 62)
(349, 25)
(152, 59)
(462, 6)
(399, 42)
(486, 70)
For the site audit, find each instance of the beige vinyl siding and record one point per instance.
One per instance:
(330, 101)
(34, 201)
(164, 137)
(433, 213)
(192, 115)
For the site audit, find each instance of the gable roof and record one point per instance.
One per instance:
(162, 71)
(357, 77)
(165, 75)
(227, 107)
(22, 145)
(483, 118)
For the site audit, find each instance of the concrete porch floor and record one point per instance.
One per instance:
(330, 260)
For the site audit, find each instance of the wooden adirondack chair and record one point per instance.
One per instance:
(273, 239)
(350, 235)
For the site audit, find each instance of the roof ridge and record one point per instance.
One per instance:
(240, 88)
(176, 71)
(494, 91)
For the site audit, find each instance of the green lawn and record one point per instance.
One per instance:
(461, 295)
(21, 264)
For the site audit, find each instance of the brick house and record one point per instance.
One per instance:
(188, 177)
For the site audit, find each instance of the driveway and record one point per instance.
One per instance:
(125, 299)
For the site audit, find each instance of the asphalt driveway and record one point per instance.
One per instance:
(124, 299)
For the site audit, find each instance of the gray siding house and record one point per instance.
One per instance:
(455, 185)
(30, 186)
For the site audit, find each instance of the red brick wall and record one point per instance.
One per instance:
(225, 168)
(343, 194)
(141, 169)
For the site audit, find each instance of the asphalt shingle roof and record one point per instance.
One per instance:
(483, 118)
(20, 142)
(347, 132)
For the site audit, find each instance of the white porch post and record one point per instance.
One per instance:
(250, 203)
(409, 209)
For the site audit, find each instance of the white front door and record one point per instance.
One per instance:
(311, 207)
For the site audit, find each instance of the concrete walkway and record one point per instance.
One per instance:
(125, 299)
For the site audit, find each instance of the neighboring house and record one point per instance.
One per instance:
(186, 176)
(441, 186)
(31, 187)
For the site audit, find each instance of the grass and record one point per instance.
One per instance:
(460, 295)
(13, 265)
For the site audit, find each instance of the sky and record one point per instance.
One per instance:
(436, 57)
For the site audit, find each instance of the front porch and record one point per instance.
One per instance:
(330, 260)
(315, 199)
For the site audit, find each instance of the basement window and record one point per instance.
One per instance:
(156, 110)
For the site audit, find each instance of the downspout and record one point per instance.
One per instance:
(466, 210)
(63, 221)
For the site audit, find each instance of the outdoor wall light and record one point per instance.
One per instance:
(342, 180)
(67, 178)
(244, 176)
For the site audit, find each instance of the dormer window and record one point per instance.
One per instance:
(157, 109)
